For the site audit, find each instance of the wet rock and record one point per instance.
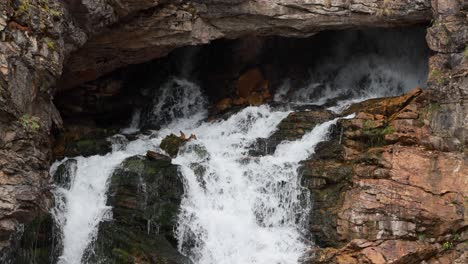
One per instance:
(88, 147)
(249, 82)
(172, 143)
(327, 175)
(293, 127)
(224, 104)
(145, 197)
(64, 173)
(39, 242)
(384, 106)
(251, 89)
(154, 156)
(34, 47)
(377, 252)
(118, 142)
(391, 202)
(86, 140)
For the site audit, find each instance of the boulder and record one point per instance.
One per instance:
(83, 140)
(293, 127)
(250, 82)
(154, 156)
(64, 173)
(145, 196)
(172, 143)
(384, 106)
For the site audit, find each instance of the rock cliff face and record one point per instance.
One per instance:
(392, 193)
(401, 196)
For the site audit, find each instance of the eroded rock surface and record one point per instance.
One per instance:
(384, 191)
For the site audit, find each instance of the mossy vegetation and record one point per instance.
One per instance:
(437, 76)
(30, 123)
(88, 147)
(422, 237)
(430, 110)
(44, 4)
(465, 53)
(50, 43)
(171, 144)
(447, 245)
(375, 136)
(23, 8)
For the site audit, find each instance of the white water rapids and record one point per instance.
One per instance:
(242, 210)
(236, 209)
(245, 210)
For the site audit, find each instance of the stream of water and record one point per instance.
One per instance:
(237, 209)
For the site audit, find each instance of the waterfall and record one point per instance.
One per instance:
(134, 123)
(237, 208)
(81, 205)
(242, 209)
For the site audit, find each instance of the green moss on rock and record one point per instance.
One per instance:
(145, 197)
(37, 243)
(88, 147)
(327, 175)
(171, 144)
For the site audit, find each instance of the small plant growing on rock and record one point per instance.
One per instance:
(429, 111)
(50, 44)
(376, 136)
(465, 53)
(55, 13)
(23, 8)
(421, 237)
(30, 123)
(437, 76)
(447, 245)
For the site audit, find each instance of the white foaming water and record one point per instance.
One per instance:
(392, 64)
(241, 209)
(85, 204)
(134, 123)
(360, 79)
(236, 209)
(80, 208)
(177, 99)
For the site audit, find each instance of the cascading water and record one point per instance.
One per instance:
(80, 208)
(236, 208)
(81, 204)
(240, 209)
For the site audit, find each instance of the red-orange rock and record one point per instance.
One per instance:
(385, 106)
(255, 99)
(239, 101)
(249, 82)
(224, 104)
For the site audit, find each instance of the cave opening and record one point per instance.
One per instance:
(323, 68)
(329, 70)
